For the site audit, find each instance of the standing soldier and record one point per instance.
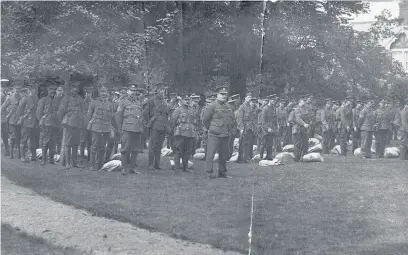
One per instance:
(366, 122)
(101, 125)
(394, 112)
(185, 122)
(197, 112)
(48, 122)
(327, 119)
(59, 95)
(357, 131)
(346, 122)
(280, 112)
(269, 128)
(232, 104)
(289, 122)
(401, 121)
(156, 115)
(204, 138)
(173, 104)
(247, 128)
(337, 108)
(218, 120)
(27, 117)
(299, 131)
(86, 135)
(382, 126)
(4, 125)
(131, 124)
(71, 112)
(10, 107)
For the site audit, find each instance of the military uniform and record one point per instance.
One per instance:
(269, 129)
(131, 124)
(156, 115)
(288, 111)
(246, 123)
(71, 111)
(173, 105)
(328, 128)
(300, 133)
(218, 120)
(27, 117)
(366, 122)
(86, 135)
(185, 122)
(10, 107)
(346, 122)
(382, 127)
(357, 129)
(4, 127)
(49, 125)
(101, 122)
(401, 121)
(280, 114)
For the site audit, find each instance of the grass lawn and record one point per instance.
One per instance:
(15, 243)
(341, 206)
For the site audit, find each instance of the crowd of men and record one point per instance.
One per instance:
(63, 122)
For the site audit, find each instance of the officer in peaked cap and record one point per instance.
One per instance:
(218, 119)
(156, 115)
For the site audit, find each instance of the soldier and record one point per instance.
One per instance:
(185, 122)
(131, 123)
(357, 131)
(173, 104)
(197, 111)
(247, 128)
(4, 125)
(59, 95)
(156, 114)
(300, 130)
(86, 135)
(366, 121)
(71, 111)
(48, 122)
(327, 120)
(204, 137)
(280, 113)
(10, 107)
(337, 120)
(381, 128)
(288, 111)
(26, 113)
(311, 116)
(269, 128)
(346, 122)
(401, 121)
(218, 120)
(393, 112)
(101, 125)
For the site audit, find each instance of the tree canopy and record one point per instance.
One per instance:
(265, 47)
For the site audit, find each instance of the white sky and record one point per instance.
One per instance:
(376, 7)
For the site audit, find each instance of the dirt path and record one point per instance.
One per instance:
(69, 227)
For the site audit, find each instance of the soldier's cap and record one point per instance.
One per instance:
(221, 90)
(236, 96)
(248, 94)
(208, 100)
(273, 96)
(173, 94)
(194, 96)
(232, 101)
(254, 99)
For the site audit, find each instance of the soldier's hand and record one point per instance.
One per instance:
(269, 130)
(306, 125)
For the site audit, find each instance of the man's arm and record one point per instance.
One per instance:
(208, 114)
(91, 110)
(62, 109)
(240, 117)
(298, 118)
(361, 117)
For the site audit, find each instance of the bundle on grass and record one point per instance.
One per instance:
(274, 162)
(289, 148)
(319, 137)
(285, 156)
(190, 164)
(313, 157)
(258, 156)
(116, 156)
(199, 156)
(38, 153)
(313, 141)
(166, 152)
(200, 150)
(57, 157)
(234, 157)
(317, 148)
(357, 152)
(255, 147)
(391, 152)
(336, 150)
(112, 166)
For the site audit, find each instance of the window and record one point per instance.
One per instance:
(399, 56)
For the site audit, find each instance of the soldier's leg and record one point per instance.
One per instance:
(82, 144)
(18, 138)
(12, 139)
(343, 141)
(178, 144)
(262, 145)
(383, 142)
(279, 139)
(223, 157)
(5, 138)
(152, 142)
(246, 144)
(110, 143)
(102, 147)
(157, 149)
(212, 146)
(25, 133)
(404, 145)
(125, 151)
(75, 143)
(297, 144)
(136, 147)
(377, 143)
(94, 151)
(325, 142)
(187, 151)
(305, 144)
(241, 147)
(269, 150)
(44, 137)
(33, 143)
(52, 144)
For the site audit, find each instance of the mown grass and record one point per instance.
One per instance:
(342, 206)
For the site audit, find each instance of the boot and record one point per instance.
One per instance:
(404, 153)
(18, 151)
(261, 152)
(133, 163)
(44, 157)
(51, 158)
(124, 160)
(92, 165)
(157, 160)
(67, 152)
(22, 154)
(268, 154)
(82, 151)
(176, 166)
(101, 158)
(75, 157)
(12, 141)
(185, 165)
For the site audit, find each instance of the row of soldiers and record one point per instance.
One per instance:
(129, 117)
